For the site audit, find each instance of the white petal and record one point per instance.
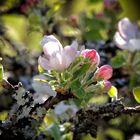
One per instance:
(70, 53)
(74, 45)
(51, 45)
(39, 98)
(44, 63)
(134, 44)
(61, 62)
(51, 48)
(127, 29)
(42, 88)
(120, 42)
(49, 38)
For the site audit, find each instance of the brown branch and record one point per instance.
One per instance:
(58, 98)
(6, 85)
(131, 110)
(86, 119)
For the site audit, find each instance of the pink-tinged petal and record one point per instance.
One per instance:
(134, 44)
(92, 55)
(104, 72)
(60, 62)
(55, 56)
(70, 53)
(97, 59)
(57, 62)
(51, 48)
(127, 29)
(74, 45)
(49, 38)
(119, 41)
(72, 49)
(44, 63)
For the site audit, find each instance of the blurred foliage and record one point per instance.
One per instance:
(131, 9)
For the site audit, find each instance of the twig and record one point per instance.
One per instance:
(86, 119)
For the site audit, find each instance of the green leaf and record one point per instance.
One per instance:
(77, 89)
(118, 61)
(55, 131)
(67, 76)
(40, 69)
(95, 28)
(1, 72)
(82, 70)
(136, 93)
(113, 92)
(53, 10)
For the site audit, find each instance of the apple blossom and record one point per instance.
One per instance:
(104, 72)
(92, 55)
(128, 36)
(55, 56)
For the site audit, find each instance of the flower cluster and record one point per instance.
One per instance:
(128, 36)
(66, 68)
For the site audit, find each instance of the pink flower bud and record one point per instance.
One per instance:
(73, 20)
(107, 85)
(92, 55)
(24, 8)
(110, 4)
(100, 15)
(29, 2)
(104, 72)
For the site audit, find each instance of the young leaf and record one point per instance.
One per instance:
(136, 93)
(40, 69)
(117, 61)
(113, 92)
(82, 70)
(77, 89)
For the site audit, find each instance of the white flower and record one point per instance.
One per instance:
(128, 35)
(42, 89)
(55, 56)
